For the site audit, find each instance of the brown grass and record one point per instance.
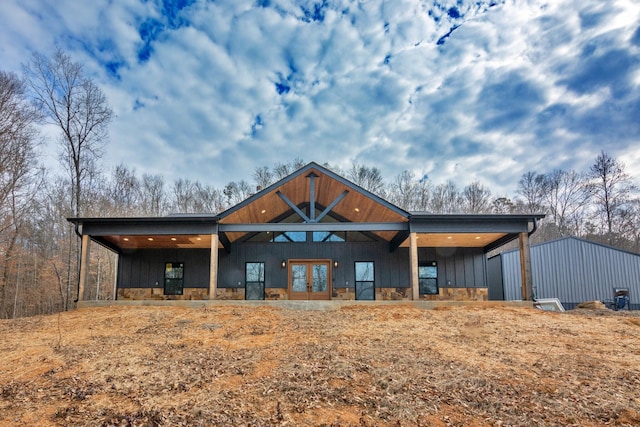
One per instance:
(358, 366)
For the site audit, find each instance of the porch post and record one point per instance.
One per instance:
(84, 265)
(213, 270)
(413, 263)
(525, 267)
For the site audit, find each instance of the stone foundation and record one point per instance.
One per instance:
(393, 294)
(277, 294)
(230, 293)
(158, 294)
(343, 294)
(459, 294)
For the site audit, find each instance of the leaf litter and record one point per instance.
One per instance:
(360, 365)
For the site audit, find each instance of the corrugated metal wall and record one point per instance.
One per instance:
(573, 270)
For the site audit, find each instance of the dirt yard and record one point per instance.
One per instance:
(355, 366)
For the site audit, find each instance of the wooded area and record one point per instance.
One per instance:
(39, 248)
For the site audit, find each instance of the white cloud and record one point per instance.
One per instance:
(220, 89)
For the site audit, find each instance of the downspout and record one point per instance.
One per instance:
(535, 226)
(533, 230)
(79, 262)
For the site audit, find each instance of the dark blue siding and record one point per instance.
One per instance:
(457, 267)
(143, 268)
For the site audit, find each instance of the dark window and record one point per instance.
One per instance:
(254, 280)
(365, 285)
(290, 236)
(428, 278)
(173, 278)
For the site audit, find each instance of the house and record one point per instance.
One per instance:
(571, 269)
(311, 235)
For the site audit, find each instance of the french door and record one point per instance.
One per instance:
(310, 279)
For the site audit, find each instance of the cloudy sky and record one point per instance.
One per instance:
(453, 89)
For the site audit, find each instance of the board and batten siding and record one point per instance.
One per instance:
(144, 268)
(457, 267)
(573, 270)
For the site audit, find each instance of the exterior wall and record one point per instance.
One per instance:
(390, 268)
(574, 270)
(457, 267)
(141, 272)
(145, 268)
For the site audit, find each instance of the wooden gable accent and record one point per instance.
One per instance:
(356, 206)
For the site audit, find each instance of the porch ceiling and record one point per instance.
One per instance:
(459, 240)
(158, 241)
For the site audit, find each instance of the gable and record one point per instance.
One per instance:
(313, 194)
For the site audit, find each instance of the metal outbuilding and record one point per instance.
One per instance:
(570, 269)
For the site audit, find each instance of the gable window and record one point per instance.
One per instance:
(254, 281)
(173, 278)
(329, 236)
(428, 278)
(290, 236)
(365, 285)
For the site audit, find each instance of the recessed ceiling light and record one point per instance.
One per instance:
(126, 239)
(357, 209)
(198, 238)
(477, 237)
(150, 239)
(174, 239)
(449, 237)
(263, 211)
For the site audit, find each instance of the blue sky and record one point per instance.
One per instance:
(454, 89)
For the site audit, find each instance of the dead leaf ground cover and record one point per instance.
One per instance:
(358, 365)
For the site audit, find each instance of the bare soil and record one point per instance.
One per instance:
(354, 366)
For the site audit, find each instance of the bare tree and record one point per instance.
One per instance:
(124, 193)
(262, 177)
(531, 188)
(281, 170)
(235, 192)
(476, 198)
(18, 167)
(369, 178)
(407, 193)
(207, 199)
(183, 196)
(613, 191)
(194, 197)
(78, 107)
(503, 205)
(566, 195)
(446, 198)
(153, 199)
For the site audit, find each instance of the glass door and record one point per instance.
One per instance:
(310, 280)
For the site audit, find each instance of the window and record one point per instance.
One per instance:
(254, 281)
(290, 236)
(329, 236)
(428, 278)
(173, 278)
(365, 285)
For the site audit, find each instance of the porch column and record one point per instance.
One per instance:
(84, 265)
(525, 267)
(213, 270)
(413, 263)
